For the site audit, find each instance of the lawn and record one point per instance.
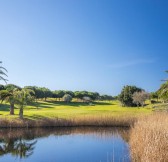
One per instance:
(58, 109)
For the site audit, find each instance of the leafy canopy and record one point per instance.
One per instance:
(126, 95)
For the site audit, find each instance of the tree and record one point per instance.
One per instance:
(154, 95)
(17, 147)
(93, 95)
(163, 91)
(3, 72)
(126, 95)
(139, 98)
(2, 87)
(23, 97)
(70, 93)
(67, 98)
(79, 94)
(106, 97)
(47, 93)
(58, 94)
(9, 95)
(40, 92)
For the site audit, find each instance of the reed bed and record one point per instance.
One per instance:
(87, 120)
(104, 120)
(149, 139)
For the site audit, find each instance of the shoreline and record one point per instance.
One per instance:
(87, 121)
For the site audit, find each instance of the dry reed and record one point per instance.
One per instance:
(149, 139)
(87, 120)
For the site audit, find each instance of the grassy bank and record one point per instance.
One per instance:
(149, 138)
(52, 113)
(53, 109)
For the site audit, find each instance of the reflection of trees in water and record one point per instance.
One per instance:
(30, 134)
(21, 142)
(17, 147)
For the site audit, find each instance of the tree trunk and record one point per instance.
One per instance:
(11, 108)
(21, 113)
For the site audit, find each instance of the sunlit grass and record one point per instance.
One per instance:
(55, 109)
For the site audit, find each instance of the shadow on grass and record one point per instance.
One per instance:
(61, 103)
(103, 103)
(4, 107)
(52, 104)
(34, 117)
(38, 105)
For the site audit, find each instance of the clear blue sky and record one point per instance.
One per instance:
(94, 45)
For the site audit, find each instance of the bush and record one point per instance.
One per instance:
(87, 99)
(126, 95)
(139, 98)
(67, 98)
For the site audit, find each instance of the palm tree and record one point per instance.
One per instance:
(9, 95)
(23, 149)
(17, 147)
(2, 73)
(23, 97)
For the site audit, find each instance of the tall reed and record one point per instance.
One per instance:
(149, 139)
(86, 120)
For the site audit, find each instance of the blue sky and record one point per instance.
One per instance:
(94, 45)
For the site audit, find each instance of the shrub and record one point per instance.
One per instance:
(87, 99)
(126, 95)
(139, 98)
(67, 98)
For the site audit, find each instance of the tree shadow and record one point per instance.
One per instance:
(33, 117)
(38, 105)
(103, 103)
(4, 107)
(77, 104)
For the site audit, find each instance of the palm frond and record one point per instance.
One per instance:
(5, 80)
(3, 68)
(2, 73)
(4, 95)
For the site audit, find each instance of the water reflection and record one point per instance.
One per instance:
(17, 147)
(78, 144)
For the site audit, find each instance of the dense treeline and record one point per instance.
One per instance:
(16, 95)
(44, 93)
(129, 96)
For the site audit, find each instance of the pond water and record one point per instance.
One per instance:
(65, 145)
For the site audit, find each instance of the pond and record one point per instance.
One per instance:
(65, 145)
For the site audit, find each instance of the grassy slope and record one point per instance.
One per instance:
(63, 110)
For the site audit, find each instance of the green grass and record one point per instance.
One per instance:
(51, 109)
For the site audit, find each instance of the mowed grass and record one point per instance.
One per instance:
(56, 109)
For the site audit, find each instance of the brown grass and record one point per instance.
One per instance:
(149, 139)
(87, 120)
